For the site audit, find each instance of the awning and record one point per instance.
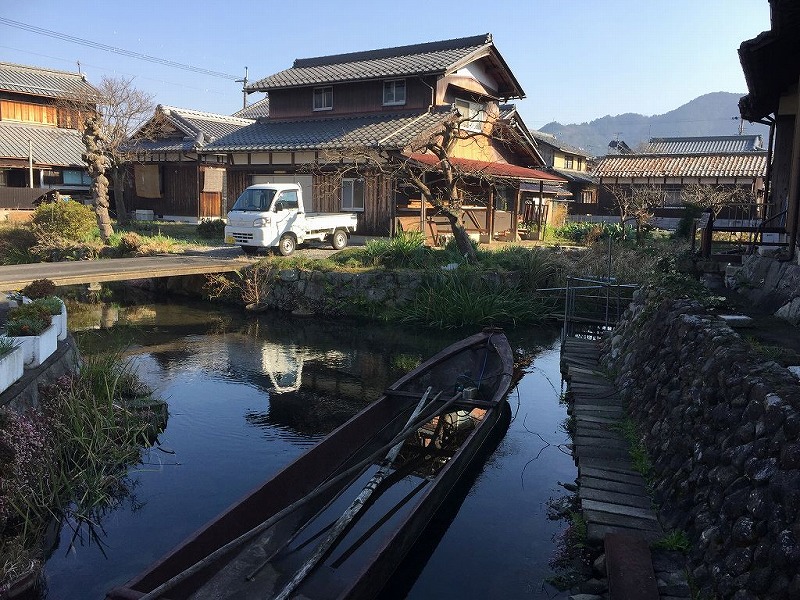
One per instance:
(495, 169)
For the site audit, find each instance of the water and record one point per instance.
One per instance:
(248, 394)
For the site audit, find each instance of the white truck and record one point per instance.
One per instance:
(271, 215)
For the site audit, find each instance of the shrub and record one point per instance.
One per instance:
(40, 288)
(71, 220)
(130, 243)
(211, 228)
(16, 245)
(6, 345)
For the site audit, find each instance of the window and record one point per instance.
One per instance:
(587, 196)
(673, 196)
(394, 92)
(568, 161)
(474, 111)
(323, 98)
(352, 194)
(289, 199)
(76, 178)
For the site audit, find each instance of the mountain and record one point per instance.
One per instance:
(710, 114)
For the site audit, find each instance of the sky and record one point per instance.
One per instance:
(576, 60)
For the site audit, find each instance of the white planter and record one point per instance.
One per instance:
(60, 321)
(11, 367)
(37, 348)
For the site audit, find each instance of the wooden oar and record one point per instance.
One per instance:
(352, 510)
(322, 488)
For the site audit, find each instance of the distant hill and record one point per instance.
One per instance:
(710, 114)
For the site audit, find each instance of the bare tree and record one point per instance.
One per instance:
(636, 203)
(716, 197)
(444, 182)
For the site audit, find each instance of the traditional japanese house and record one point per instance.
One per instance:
(167, 181)
(40, 141)
(325, 112)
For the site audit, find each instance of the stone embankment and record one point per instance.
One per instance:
(722, 428)
(771, 284)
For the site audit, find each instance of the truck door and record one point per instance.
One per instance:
(286, 218)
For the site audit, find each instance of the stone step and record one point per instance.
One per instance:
(642, 501)
(629, 568)
(620, 487)
(622, 510)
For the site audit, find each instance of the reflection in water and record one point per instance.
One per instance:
(247, 394)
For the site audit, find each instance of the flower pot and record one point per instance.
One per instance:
(37, 348)
(11, 367)
(60, 321)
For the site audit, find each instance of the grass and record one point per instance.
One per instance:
(640, 459)
(674, 540)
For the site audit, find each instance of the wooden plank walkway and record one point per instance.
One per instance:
(613, 497)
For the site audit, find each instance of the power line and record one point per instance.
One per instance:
(121, 51)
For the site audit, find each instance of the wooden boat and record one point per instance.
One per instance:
(299, 536)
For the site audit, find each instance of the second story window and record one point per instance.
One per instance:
(323, 98)
(475, 112)
(394, 92)
(569, 161)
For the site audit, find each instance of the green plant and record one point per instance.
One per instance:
(16, 243)
(70, 220)
(211, 228)
(674, 540)
(39, 288)
(130, 243)
(6, 345)
(27, 319)
(640, 459)
(50, 303)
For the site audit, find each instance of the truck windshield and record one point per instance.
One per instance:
(254, 199)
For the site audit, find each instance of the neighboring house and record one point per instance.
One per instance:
(321, 108)
(256, 110)
(771, 65)
(167, 179)
(672, 164)
(40, 141)
(571, 163)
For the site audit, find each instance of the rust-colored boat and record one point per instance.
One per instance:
(301, 535)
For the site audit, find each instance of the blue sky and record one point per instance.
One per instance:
(577, 60)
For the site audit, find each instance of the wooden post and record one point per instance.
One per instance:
(515, 214)
(490, 215)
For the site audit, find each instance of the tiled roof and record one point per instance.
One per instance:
(579, 176)
(51, 145)
(388, 129)
(547, 138)
(709, 165)
(255, 110)
(417, 59)
(43, 82)
(198, 128)
(719, 144)
(496, 169)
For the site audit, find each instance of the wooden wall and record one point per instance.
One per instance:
(378, 212)
(348, 98)
(179, 194)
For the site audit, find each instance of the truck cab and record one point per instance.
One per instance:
(271, 215)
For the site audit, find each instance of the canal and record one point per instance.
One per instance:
(249, 393)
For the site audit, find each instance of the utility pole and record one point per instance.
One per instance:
(244, 89)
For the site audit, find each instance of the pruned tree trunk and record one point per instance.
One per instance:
(97, 164)
(460, 235)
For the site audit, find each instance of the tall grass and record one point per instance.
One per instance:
(463, 297)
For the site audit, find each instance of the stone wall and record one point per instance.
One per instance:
(772, 285)
(722, 428)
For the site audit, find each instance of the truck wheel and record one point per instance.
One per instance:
(339, 239)
(287, 244)
(250, 250)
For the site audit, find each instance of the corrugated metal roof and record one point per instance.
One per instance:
(708, 165)
(389, 129)
(417, 59)
(51, 145)
(255, 110)
(49, 83)
(718, 144)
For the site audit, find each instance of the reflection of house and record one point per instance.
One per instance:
(40, 144)
(671, 164)
(167, 178)
(771, 65)
(387, 99)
